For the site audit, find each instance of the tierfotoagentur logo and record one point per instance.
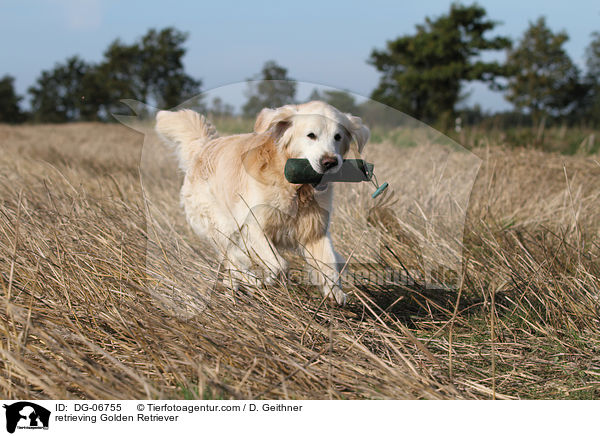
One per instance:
(24, 415)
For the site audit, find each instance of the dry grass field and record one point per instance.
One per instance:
(80, 315)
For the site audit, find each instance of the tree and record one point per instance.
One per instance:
(423, 73)
(272, 88)
(545, 81)
(341, 100)
(58, 93)
(10, 112)
(150, 70)
(220, 109)
(592, 102)
(315, 95)
(593, 57)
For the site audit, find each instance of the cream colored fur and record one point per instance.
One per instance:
(235, 193)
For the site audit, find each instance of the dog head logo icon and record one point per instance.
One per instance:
(26, 415)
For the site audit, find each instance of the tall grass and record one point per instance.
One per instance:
(563, 140)
(79, 318)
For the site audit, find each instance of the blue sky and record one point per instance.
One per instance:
(318, 41)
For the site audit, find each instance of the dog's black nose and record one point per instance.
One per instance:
(328, 162)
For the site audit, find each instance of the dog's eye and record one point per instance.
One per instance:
(312, 136)
(337, 137)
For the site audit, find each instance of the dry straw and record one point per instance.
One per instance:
(78, 318)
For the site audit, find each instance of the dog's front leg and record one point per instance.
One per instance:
(264, 253)
(253, 247)
(325, 264)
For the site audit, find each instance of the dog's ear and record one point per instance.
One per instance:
(359, 131)
(279, 118)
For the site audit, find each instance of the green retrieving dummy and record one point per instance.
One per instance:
(299, 171)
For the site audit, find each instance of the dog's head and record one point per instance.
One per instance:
(315, 131)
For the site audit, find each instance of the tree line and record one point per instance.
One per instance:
(149, 70)
(422, 74)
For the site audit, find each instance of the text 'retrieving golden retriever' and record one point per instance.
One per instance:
(235, 192)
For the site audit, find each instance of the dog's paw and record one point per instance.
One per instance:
(335, 293)
(254, 278)
(236, 279)
(272, 279)
(275, 272)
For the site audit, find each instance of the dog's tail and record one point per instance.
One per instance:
(186, 130)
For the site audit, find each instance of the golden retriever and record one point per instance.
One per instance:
(235, 192)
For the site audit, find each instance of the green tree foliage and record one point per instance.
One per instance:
(423, 73)
(220, 109)
(150, 70)
(270, 88)
(592, 106)
(315, 95)
(545, 80)
(58, 94)
(341, 100)
(10, 112)
(593, 57)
